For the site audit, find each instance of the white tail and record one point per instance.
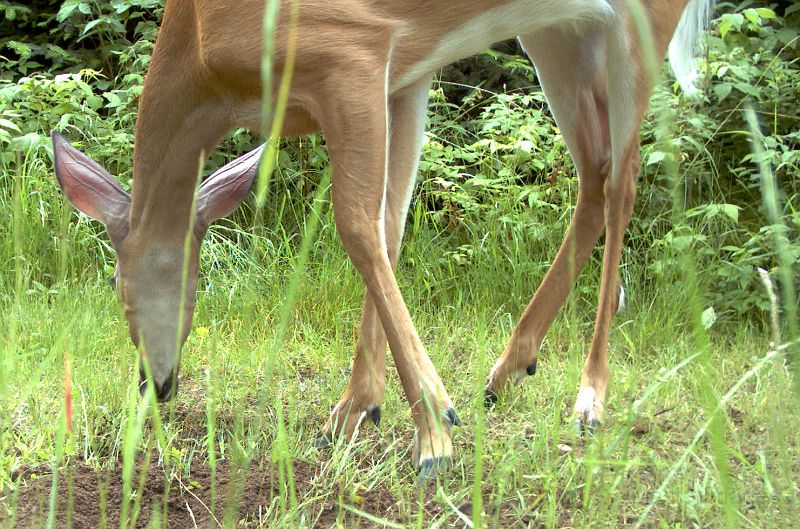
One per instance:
(687, 43)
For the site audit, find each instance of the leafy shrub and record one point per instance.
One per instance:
(751, 62)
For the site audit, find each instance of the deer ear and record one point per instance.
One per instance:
(90, 188)
(222, 192)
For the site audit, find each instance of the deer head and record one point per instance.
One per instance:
(147, 278)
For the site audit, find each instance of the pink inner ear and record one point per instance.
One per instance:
(88, 186)
(223, 191)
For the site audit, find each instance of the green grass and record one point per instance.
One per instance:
(655, 458)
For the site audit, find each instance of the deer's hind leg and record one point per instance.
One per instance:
(363, 396)
(605, 135)
(630, 83)
(569, 64)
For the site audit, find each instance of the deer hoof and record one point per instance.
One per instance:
(451, 418)
(489, 398)
(324, 440)
(429, 468)
(531, 369)
(375, 414)
(586, 428)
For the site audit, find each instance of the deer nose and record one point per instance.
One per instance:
(165, 391)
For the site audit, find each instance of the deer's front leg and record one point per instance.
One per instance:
(354, 115)
(363, 396)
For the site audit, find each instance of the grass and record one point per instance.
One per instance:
(654, 464)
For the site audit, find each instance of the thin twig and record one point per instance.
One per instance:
(665, 410)
(184, 487)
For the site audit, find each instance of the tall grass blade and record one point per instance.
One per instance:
(772, 200)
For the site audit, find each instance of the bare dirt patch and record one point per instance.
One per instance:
(91, 499)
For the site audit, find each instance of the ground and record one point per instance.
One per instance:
(534, 470)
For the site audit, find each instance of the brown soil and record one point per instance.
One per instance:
(91, 499)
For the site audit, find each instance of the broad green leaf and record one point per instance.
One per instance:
(10, 125)
(91, 25)
(656, 157)
(731, 211)
(708, 317)
(765, 12)
(67, 8)
(752, 16)
(730, 21)
(722, 91)
(27, 142)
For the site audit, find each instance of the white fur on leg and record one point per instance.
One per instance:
(620, 299)
(584, 404)
(495, 367)
(515, 377)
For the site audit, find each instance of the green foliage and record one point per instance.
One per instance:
(51, 36)
(494, 168)
(751, 62)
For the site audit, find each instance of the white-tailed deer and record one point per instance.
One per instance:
(362, 75)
